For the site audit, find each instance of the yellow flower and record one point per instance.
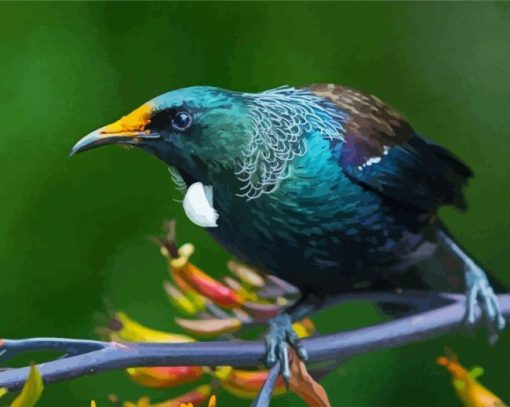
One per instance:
(31, 391)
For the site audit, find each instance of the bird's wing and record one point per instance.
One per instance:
(381, 151)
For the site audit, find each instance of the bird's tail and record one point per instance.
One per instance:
(444, 271)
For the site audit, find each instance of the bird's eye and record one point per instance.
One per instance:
(181, 121)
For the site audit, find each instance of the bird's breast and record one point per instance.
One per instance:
(316, 225)
(312, 227)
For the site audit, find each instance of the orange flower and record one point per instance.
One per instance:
(194, 397)
(470, 392)
(246, 384)
(202, 282)
(164, 376)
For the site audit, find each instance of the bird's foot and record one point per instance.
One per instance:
(280, 336)
(481, 294)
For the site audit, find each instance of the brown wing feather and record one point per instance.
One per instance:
(372, 125)
(382, 151)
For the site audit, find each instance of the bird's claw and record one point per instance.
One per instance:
(280, 336)
(481, 294)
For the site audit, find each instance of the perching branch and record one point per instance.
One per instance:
(97, 356)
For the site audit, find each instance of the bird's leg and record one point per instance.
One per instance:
(281, 335)
(480, 292)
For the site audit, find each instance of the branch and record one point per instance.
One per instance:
(266, 392)
(418, 327)
(70, 347)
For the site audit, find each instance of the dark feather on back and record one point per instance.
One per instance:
(382, 151)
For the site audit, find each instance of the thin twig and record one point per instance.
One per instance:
(70, 347)
(266, 392)
(386, 335)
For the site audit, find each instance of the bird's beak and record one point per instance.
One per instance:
(130, 129)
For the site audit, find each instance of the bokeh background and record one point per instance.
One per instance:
(73, 232)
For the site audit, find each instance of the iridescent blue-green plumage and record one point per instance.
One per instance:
(324, 186)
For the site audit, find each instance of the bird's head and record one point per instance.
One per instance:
(244, 143)
(198, 130)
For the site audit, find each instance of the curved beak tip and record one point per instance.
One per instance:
(91, 140)
(129, 129)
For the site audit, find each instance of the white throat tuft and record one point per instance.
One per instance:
(198, 205)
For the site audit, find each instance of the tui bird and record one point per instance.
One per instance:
(324, 186)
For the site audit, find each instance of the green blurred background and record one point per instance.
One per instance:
(73, 232)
